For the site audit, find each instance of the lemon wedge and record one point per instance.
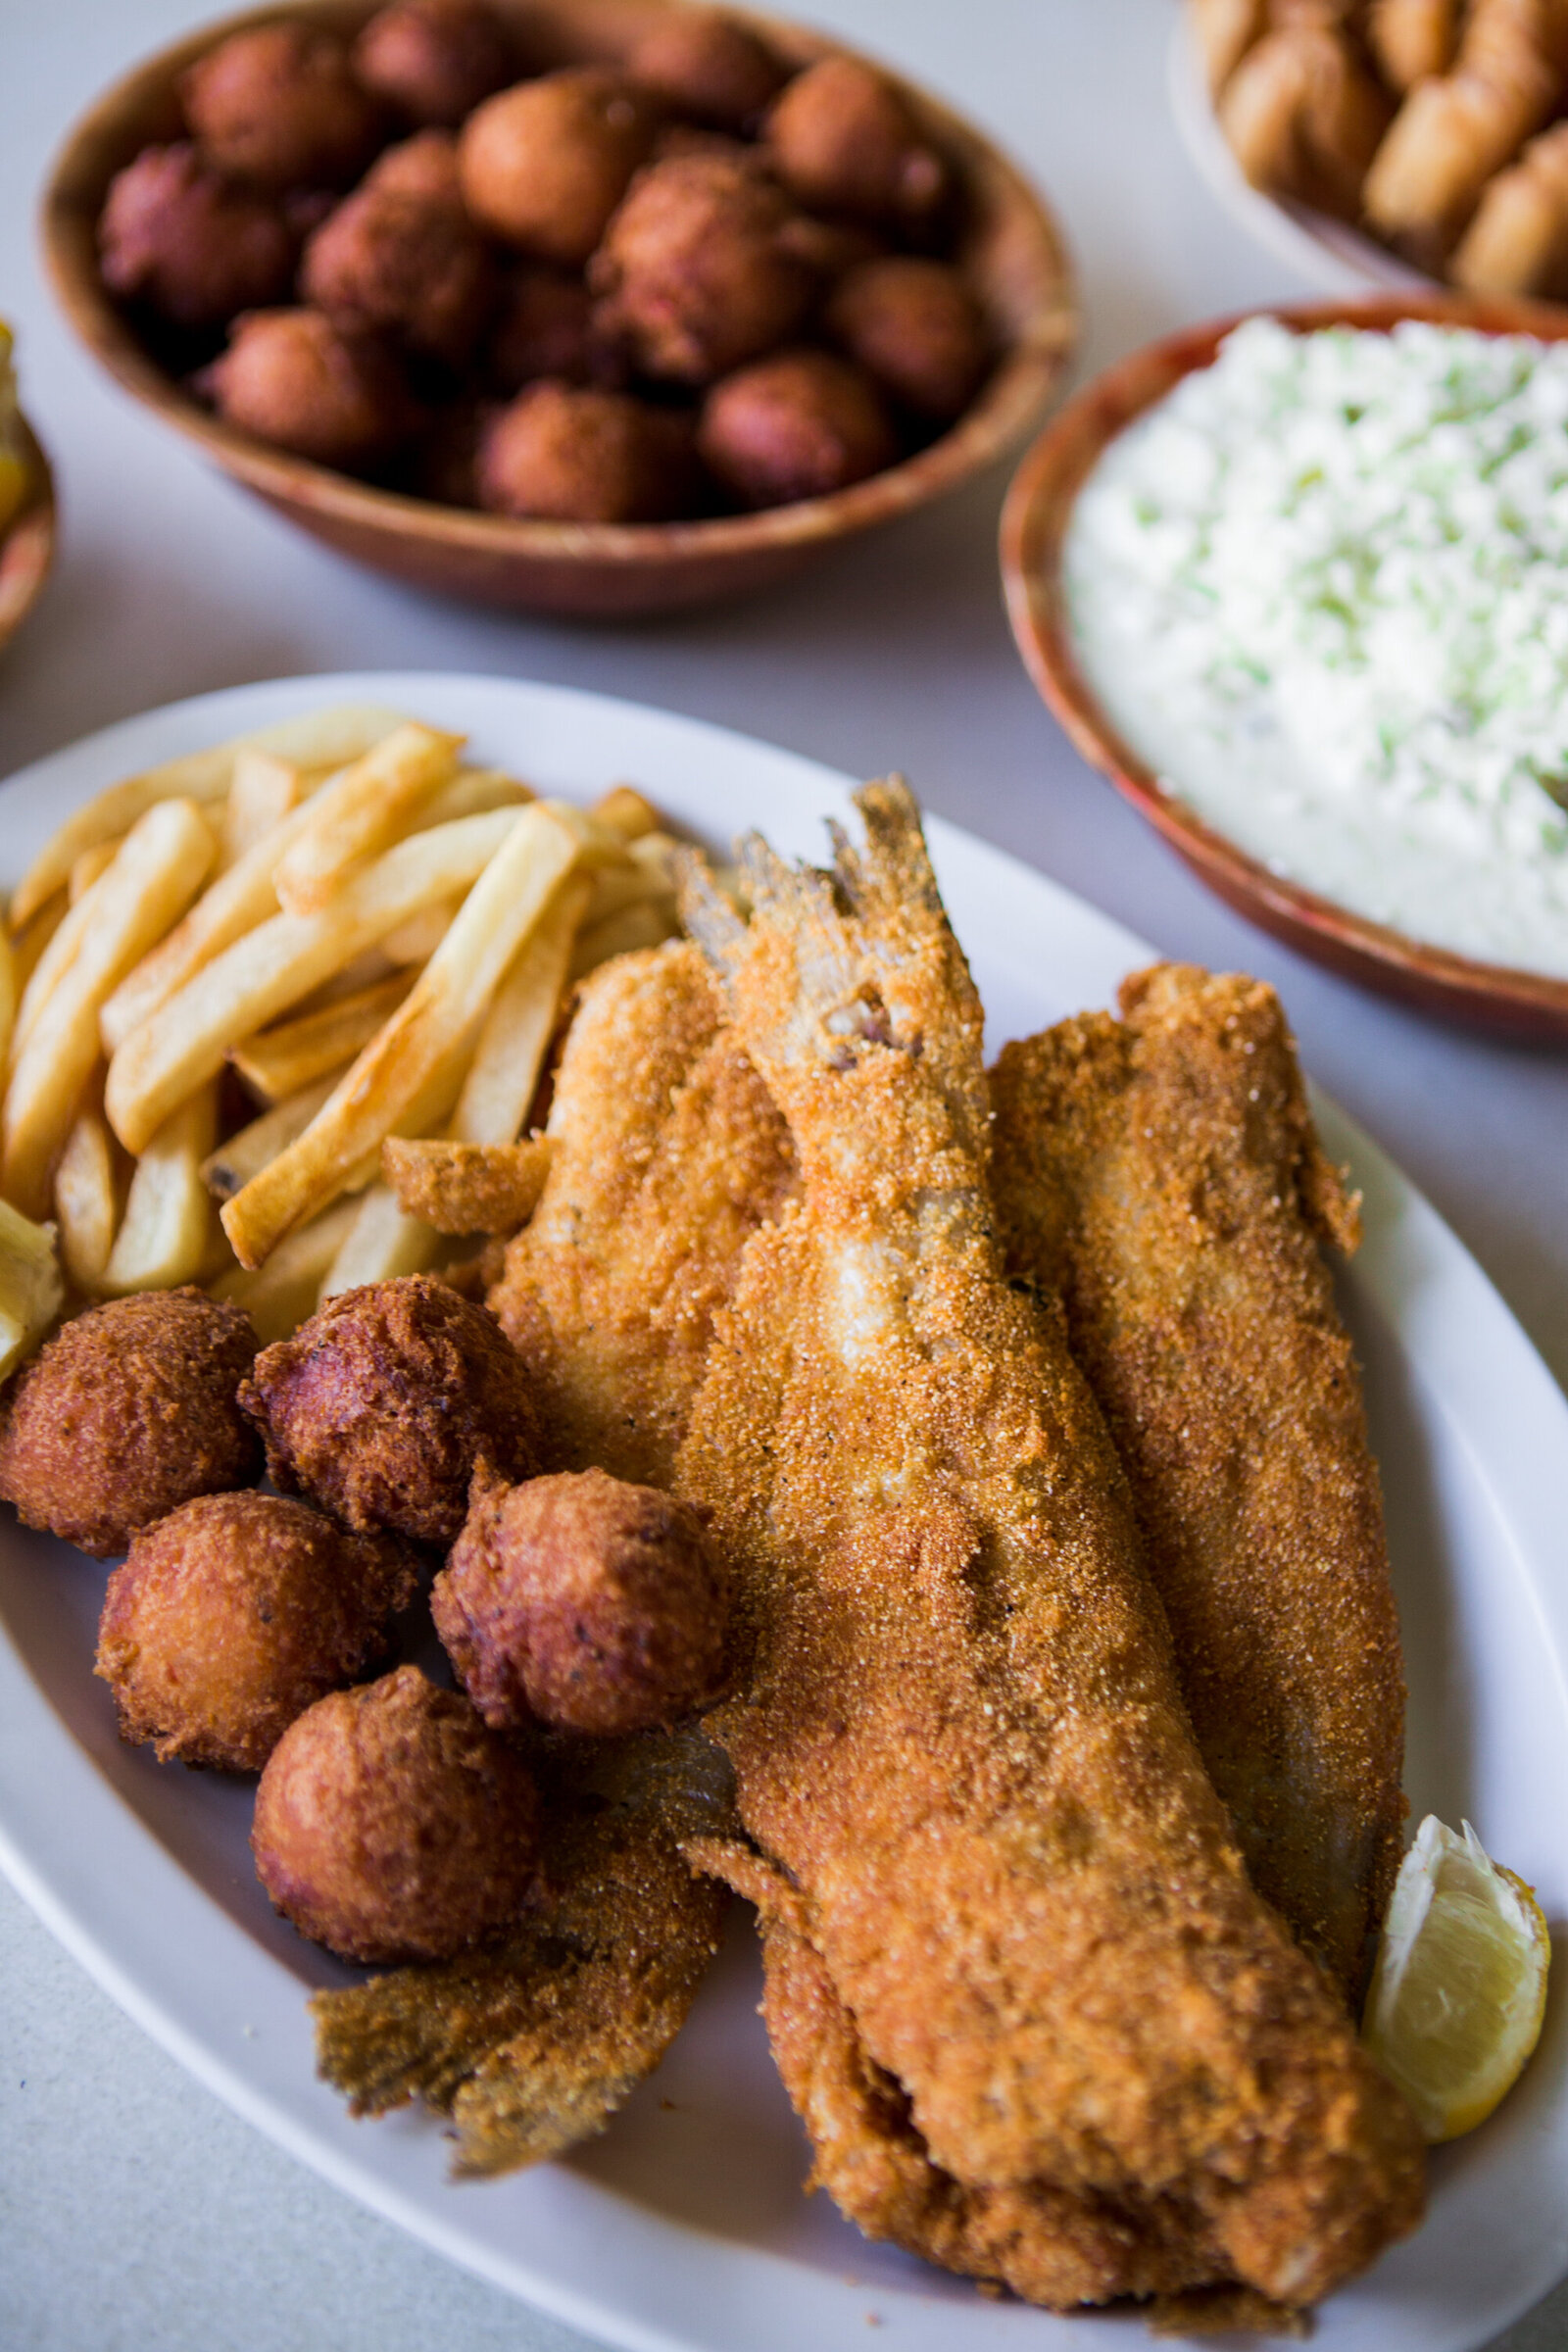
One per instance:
(1459, 1988)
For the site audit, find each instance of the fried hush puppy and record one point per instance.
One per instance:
(584, 1603)
(544, 326)
(279, 104)
(411, 266)
(573, 454)
(843, 141)
(545, 164)
(380, 1405)
(295, 379)
(914, 325)
(128, 1412)
(696, 269)
(434, 60)
(233, 1615)
(391, 1825)
(707, 65)
(797, 425)
(192, 246)
(423, 166)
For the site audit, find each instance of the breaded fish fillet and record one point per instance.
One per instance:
(1163, 1175)
(962, 1747)
(665, 1157)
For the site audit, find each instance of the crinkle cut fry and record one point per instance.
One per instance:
(531, 2043)
(1161, 1173)
(962, 1741)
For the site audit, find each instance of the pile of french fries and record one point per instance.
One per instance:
(340, 925)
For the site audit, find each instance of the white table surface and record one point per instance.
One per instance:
(137, 2214)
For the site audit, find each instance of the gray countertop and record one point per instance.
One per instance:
(135, 2211)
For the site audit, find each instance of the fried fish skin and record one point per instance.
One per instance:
(1161, 1173)
(665, 1157)
(963, 1741)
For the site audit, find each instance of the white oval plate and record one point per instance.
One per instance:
(1329, 253)
(684, 2227)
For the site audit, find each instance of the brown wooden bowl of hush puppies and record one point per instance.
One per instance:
(596, 307)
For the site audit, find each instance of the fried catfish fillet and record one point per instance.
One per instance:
(961, 1745)
(1162, 1174)
(532, 2042)
(665, 1157)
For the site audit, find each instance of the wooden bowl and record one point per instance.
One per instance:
(1010, 248)
(1034, 527)
(27, 548)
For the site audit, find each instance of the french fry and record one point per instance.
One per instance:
(31, 1292)
(624, 810)
(88, 1196)
(280, 1060)
(57, 956)
(471, 790)
(87, 868)
(365, 808)
(333, 736)
(162, 1234)
(647, 923)
(383, 1241)
(285, 1292)
(268, 969)
(263, 791)
(504, 1074)
(439, 1017)
(467, 1188)
(27, 943)
(157, 872)
(417, 940)
(245, 1152)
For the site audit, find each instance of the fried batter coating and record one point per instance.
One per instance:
(390, 1825)
(572, 453)
(433, 61)
(666, 1157)
(845, 141)
(279, 104)
(410, 266)
(545, 164)
(962, 1744)
(379, 1406)
(467, 1188)
(697, 270)
(1161, 1173)
(191, 245)
(916, 326)
(129, 1411)
(233, 1615)
(295, 379)
(532, 2043)
(799, 424)
(582, 1602)
(707, 65)
(543, 326)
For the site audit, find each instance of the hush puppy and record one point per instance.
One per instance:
(434, 60)
(409, 266)
(129, 1411)
(543, 326)
(707, 65)
(237, 1614)
(295, 379)
(192, 246)
(573, 454)
(843, 141)
(696, 268)
(798, 425)
(545, 164)
(280, 106)
(391, 1825)
(423, 166)
(584, 1603)
(917, 327)
(379, 1406)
